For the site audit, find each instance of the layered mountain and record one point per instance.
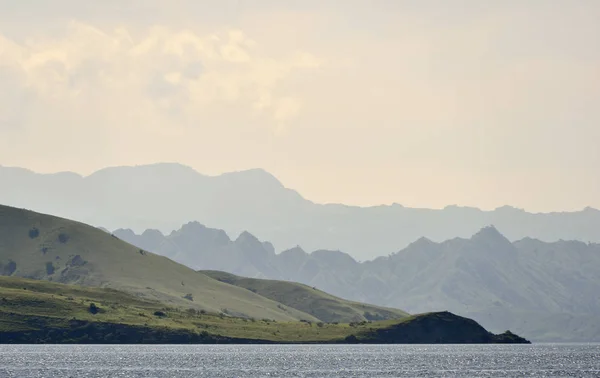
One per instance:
(545, 291)
(43, 247)
(165, 196)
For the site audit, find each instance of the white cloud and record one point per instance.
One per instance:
(165, 68)
(415, 96)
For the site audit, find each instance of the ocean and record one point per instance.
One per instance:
(216, 361)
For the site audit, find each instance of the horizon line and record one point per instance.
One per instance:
(393, 204)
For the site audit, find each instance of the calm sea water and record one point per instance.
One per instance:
(541, 360)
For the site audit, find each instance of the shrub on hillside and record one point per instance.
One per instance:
(63, 238)
(8, 269)
(34, 233)
(93, 308)
(76, 260)
(49, 268)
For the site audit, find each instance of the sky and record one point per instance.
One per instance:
(424, 103)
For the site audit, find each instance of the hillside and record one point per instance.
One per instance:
(44, 247)
(33, 311)
(309, 300)
(165, 196)
(546, 291)
(437, 327)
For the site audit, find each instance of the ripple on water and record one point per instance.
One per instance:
(216, 361)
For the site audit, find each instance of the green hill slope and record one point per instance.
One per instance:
(326, 307)
(42, 311)
(33, 311)
(44, 247)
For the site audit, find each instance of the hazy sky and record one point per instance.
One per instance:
(424, 103)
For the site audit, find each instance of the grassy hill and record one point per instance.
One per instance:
(48, 248)
(33, 311)
(321, 305)
(30, 306)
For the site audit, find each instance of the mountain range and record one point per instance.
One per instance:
(545, 291)
(165, 196)
(43, 247)
(66, 282)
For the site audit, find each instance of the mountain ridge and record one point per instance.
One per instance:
(256, 201)
(264, 173)
(482, 276)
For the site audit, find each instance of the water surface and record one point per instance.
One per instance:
(215, 361)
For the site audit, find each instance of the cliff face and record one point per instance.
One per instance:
(438, 328)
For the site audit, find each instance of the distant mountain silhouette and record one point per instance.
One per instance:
(165, 196)
(545, 291)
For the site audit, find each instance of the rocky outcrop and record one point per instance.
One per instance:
(438, 328)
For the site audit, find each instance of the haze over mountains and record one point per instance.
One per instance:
(165, 196)
(44, 247)
(537, 285)
(546, 291)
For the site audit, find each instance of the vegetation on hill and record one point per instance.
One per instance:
(34, 311)
(37, 311)
(48, 248)
(321, 305)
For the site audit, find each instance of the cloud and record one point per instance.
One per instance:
(425, 95)
(174, 71)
